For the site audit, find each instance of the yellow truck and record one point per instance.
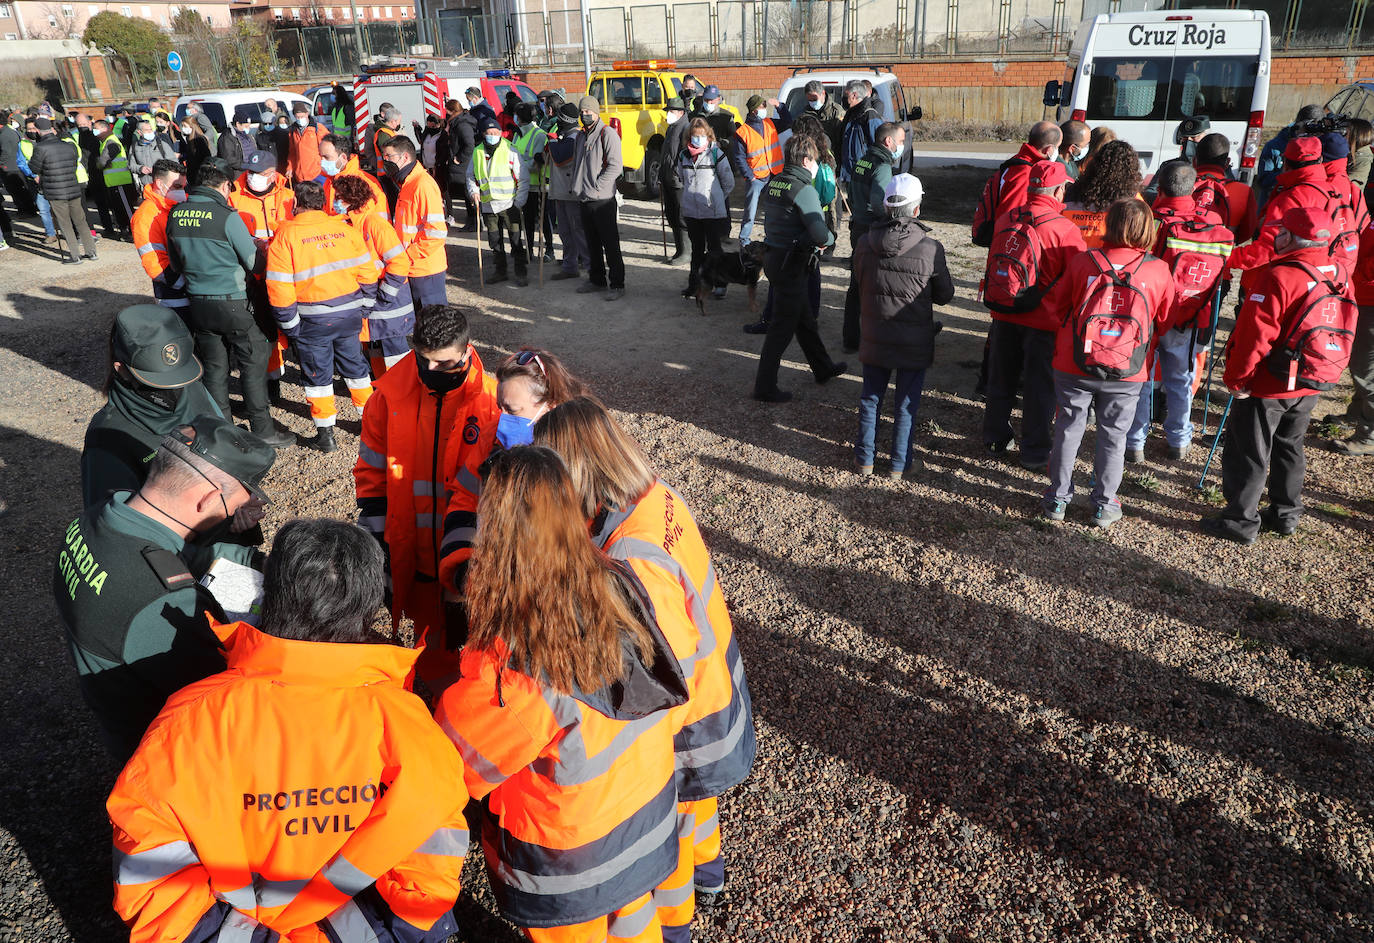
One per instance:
(633, 96)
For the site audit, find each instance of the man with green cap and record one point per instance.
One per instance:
(153, 387)
(125, 579)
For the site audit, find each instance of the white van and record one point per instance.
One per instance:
(1142, 73)
(885, 86)
(222, 107)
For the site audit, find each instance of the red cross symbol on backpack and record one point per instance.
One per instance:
(1329, 312)
(1119, 301)
(1199, 272)
(1012, 242)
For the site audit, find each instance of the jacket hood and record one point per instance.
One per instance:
(1174, 206)
(644, 689)
(1312, 173)
(896, 236)
(331, 664)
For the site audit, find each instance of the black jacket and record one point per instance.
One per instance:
(55, 157)
(901, 273)
(9, 150)
(462, 140)
(230, 149)
(90, 155)
(673, 143)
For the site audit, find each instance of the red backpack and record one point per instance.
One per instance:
(1210, 194)
(1012, 284)
(1113, 327)
(985, 216)
(1196, 252)
(1314, 348)
(1345, 241)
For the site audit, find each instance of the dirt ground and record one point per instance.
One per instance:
(972, 725)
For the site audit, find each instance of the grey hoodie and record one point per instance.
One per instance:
(706, 183)
(598, 163)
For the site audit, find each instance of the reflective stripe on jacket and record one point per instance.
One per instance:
(530, 145)
(278, 790)
(762, 151)
(420, 223)
(263, 214)
(116, 171)
(714, 742)
(149, 229)
(318, 267)
(394, 305)
(498, 179)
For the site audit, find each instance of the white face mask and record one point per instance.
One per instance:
(711, 107)
(674, 117)
(176, 196)
(1079, 152)
(149, 135)
(761, 113)
(186, 129)
(815, 104)
(1052, 153)
(303, 120)
(699, 141)
(259, 182)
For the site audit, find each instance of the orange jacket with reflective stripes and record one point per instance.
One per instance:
(581, 793)
(148, 226)
(318, 267)
(303, 151)
(263, 214)
(354, 169)
(276, 791)
(762, 151)
(660, 541)
(411, 441)
(420, 223)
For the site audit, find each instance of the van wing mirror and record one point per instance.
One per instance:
(915, 114)
(1052, 92)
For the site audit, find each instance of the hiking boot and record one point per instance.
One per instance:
(50, 240)
(896, 473)
(276, 438)
(1054, 510)
(758, 327)
(1353, 446)
(520, 280)
(1040, 465)
(1106, 516)
(615, 294)
(1176, 453)
(499, 276)
(1271, 523)
(773, 396)
(274, 392)
(998, 448)
(1219, 527)
(1135, 456)
(323, 440)
(863, 469)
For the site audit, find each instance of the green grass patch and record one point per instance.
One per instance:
(1145, 481)
(1328, 429)
(1210, 493)
(1335, 510)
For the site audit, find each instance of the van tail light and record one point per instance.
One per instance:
(1079, 115)
(1249, 154)
(615, 123)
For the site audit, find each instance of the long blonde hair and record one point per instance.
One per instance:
(608, 468)
(539, 586)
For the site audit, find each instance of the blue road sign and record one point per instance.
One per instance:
(174, 61)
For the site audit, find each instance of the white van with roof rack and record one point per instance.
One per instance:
(885, 85)
(1141, 74)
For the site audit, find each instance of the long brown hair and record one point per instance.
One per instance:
(537, 583)
(608, 468)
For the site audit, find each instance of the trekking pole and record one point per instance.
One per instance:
(1221, 426)
(663, 220)
(1211, 361)
(543, 244)
(481, 276)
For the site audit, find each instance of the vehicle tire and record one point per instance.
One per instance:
(653, 160)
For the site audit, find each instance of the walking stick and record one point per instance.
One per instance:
(663, 221)
(1221, 426)
(1211, 360)
(543, 245)
(481, 276)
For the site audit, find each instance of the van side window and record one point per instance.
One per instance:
(653, 91)
(598, 91)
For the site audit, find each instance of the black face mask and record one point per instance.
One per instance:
(166, 400)
(437, 380)
(397, 173)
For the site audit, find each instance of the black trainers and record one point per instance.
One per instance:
(1218, 527)
(1270, 522)
(998, 448)
(758, 327)
(1135, 456)
(836, 370)
(773, 396)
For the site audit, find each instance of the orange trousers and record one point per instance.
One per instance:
(636, 922)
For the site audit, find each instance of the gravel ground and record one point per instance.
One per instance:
(972, 725)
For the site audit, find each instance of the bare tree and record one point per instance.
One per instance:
(57, 21)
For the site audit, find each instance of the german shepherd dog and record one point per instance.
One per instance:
(732, 265)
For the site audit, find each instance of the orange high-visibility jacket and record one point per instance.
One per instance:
(420, 223)
(354, 169)
(303, 151)
(148, 226)
(659, 539)
(318, 267)
(263, 214)
(581, 793)
(388, 316)
(278, 790)
(409, 438)
(762, 151)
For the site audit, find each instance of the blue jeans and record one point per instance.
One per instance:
(1176, 371)
(909, 384)
(751, 207)
(45, 213)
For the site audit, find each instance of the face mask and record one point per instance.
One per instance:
(341, 207)
(674, 117)
(258, 182)
(1078, 153)
(493, 140)
(897, 151)
(699, 141)
(761, 113)
(391, 169)
(1281, 241)
(814, 105)
(710, 107)
(176, 196)
(330, 168)
(303, 121)
(1053, 153)
(283, 125)
(166, 400)
(148, 135)
(588, 120)
(514, 430)
(186, 129)
(437, 380)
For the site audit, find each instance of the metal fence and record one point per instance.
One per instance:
(785, 31)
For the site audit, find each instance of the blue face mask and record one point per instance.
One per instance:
(341, 207)
(815, 105)
(330, 168)
(514, 430)
(698, 140)
(897, 151)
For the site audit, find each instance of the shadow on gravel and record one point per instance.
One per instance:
(52, 801)
(1051, 665)
(1016, 781)
(84, 337)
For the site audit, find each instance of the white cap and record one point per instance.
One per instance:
(903, 189)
